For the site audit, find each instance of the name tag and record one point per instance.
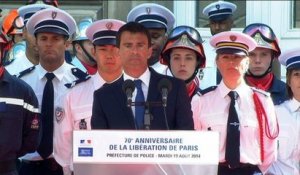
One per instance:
(2, 106)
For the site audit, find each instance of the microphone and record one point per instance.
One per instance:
(128, 87)
(164, 86)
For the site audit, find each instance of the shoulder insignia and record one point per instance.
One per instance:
(209, 89)
(24, 72)
(267, 94)
(80, 75)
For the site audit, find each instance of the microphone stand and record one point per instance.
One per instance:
(147, 116)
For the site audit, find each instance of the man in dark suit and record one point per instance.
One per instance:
(110, 109)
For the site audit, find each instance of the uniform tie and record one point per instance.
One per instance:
(46, 146)
(139, 108)
(232, 154)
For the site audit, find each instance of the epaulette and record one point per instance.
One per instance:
(267, 94)
(24, 72)
(209, 89)
(78, 73)
(81, 77)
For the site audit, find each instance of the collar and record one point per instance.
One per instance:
(294, 105)
(241, 89)
(59, 72)
(145, 77)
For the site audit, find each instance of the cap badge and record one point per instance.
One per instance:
(260, 41)
(109, 25)
(54, 14)
(232, 38)
(148, 10)
(184, 40)
(218, 6)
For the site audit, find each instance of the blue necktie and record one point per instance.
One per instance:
(232, 154)
(139, 108)
(46, 146)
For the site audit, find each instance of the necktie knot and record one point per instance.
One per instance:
(49, 76)
(233, 95)
(138, 83)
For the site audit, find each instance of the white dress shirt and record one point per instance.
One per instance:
(78, 110)
(288, 162)
(37, 80)
(19, 65)
(213, 115)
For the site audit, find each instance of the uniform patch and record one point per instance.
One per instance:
(59, 114)
(82, 124)
(35, 124)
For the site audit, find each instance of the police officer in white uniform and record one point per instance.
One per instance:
(52, 28)
(159, 21)
(219, 14)
(22, 62)
(244, 117)
(82, 48)
(288, 114)
(79, 100)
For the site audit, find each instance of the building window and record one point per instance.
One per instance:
(296, 14)
(239, 16)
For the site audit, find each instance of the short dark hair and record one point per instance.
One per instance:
(133, 27)
(288, 82)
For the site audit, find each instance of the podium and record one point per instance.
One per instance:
(127, 152)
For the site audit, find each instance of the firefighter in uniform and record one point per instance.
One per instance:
(79, 100)
(244, 116)
(19, 119)
(52, 28)
(82, 48)
(260, 73)
(288, 114)
(184, 55)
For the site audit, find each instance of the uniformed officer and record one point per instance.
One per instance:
(52, 28)
(184, 55)
(244, 116)
(18, 61)
(288, 114)
(19, 120)
(220, 19)
(260, 73)
(82, 48)
(159, 21)
(79, 100)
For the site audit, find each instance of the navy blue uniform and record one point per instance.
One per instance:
(278, 91)
(19, 121)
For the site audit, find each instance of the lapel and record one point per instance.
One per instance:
(122, 102)
(153, 92)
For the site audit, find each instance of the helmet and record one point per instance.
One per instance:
(264, 36)
(12, 22)
(16, 52)
(82, 26)
(184, 37)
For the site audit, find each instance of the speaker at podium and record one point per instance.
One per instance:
(120, 152)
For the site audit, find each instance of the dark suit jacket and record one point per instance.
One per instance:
(111, 112)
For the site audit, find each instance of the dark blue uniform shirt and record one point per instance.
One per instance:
(278, 91)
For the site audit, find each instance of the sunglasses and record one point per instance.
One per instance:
(48, 2)
(265, 31)
(192, 34)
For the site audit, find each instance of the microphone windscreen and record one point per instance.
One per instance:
(164, 83)
(128, 84)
